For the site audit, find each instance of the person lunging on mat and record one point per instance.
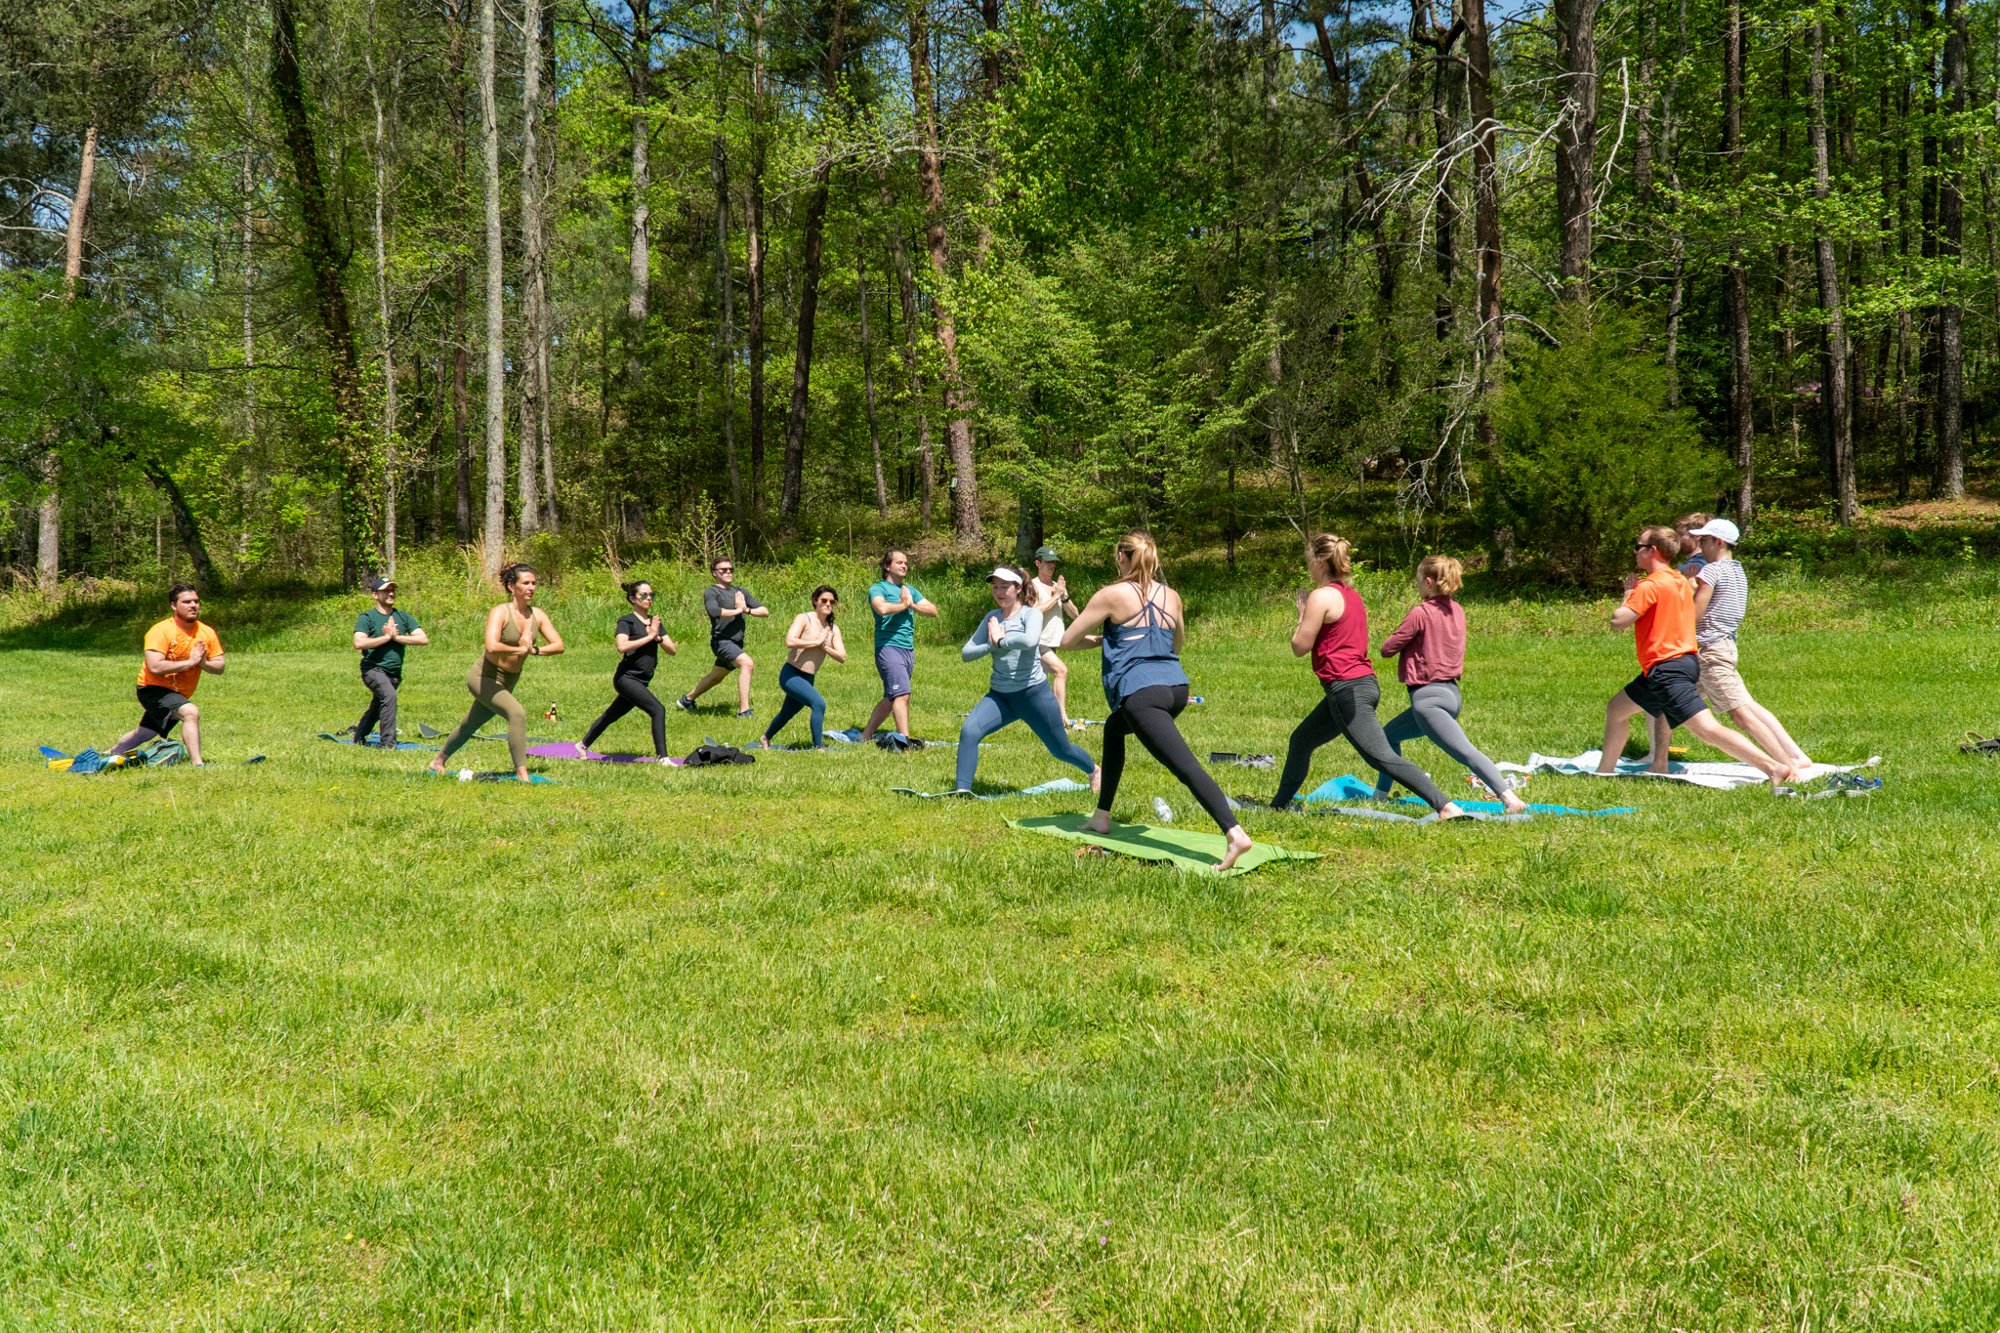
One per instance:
(178, 650)
(812, 639)
(1430, 648)
(1048, 593)
(896, 605)
(1144, 685)
(1011, 634)
(1660, 611)
(639, 638)
(381, 635)
(1333, 629)
(729, 609)
(516, 630)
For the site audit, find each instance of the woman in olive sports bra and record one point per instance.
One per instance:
(511, 639)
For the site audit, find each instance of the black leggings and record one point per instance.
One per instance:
(632, 693)
(1349, 710)
(1150, 714)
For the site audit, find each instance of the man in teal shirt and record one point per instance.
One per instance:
(896, 605)
(381, 634)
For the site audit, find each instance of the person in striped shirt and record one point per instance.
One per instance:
(1721, 597)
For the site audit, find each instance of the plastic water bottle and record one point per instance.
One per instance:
(1197, 699)
(1163, 811)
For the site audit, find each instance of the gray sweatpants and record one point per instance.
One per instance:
(382, 708)
(1433, 713)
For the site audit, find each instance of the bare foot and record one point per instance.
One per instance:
(437, 766)
(762, 743)
(1451, 811)
(1514, 804)
(1099, 822)
(1239, 843)
(1097, 780)
(520, 775)
(1784, 774)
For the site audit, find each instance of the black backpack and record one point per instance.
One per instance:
(704, 755)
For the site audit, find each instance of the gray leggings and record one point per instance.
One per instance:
(1349, 710)
(1433, 713)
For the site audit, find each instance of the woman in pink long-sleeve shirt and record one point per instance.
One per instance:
(1431, 644)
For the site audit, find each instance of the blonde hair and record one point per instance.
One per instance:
(1137, 547)
(1333, 552)
(1443, 570)
(1695, 520)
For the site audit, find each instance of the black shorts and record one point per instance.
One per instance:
(726, 652)
(162, 707)
(1672, 688)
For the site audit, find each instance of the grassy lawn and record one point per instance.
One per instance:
(325, 1043)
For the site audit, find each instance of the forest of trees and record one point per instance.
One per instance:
(286, 283)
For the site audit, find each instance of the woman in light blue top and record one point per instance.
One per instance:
(1011, 634)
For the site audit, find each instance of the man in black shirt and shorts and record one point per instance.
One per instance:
(727, 606)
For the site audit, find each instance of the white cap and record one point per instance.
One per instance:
(1720, 528)
(1002, 572)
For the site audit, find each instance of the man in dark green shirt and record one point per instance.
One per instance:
(381, 634)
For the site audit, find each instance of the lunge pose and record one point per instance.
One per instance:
(1144, 685)
(640, 639)
(1721, 597)
(812, 639)
(896, 605)
(1048, 593)
(1333, 628)
(381, 635)
(511, 639)
(1011, 634)
(728, 608)
(1430, 646)
(178, 650)
(1660, 611)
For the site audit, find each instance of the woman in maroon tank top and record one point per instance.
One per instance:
(1333, 627)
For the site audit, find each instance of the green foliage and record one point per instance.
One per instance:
(1589, 450)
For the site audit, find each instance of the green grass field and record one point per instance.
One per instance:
(324, 1043)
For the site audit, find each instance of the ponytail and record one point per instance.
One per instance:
(1336, 554)
(1443, 570)
(1138, 549)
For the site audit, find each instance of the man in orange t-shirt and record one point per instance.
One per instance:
(178, 650)
(1659, 609)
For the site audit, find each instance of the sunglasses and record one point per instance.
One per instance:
(1643, 546)
(825, 601)
(642, 597)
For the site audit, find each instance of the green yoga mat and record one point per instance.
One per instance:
(1186, 848)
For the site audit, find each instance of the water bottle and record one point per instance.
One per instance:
(1163, 811)
(1197, 699)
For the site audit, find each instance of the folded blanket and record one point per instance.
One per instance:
(1047, 788)
(1185, 848)
(1720, 777)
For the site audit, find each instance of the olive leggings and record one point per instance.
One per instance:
(492, 697)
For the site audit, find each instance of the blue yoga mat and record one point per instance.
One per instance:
(349, 740)
(1046, 789)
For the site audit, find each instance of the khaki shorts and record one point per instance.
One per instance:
(1720, 684)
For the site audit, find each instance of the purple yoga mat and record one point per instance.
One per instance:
(572, 750)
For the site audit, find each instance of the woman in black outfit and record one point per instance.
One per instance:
(640, 639)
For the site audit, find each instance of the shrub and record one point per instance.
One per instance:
(1589, 450)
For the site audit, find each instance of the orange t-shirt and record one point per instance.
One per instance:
(175, 644)
(1665, 603)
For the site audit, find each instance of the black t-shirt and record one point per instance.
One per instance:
(640, 662)
(727, 629)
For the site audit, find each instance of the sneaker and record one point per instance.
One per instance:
(748, 712)
(685, 704)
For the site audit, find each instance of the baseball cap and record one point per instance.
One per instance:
(380, 584)
(1717, 527)
(1047, 553)
(1002, 572)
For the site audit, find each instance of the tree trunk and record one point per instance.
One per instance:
(324, 262)
(868, 383)
(496, 307)
(958, 430)
(906, 287)
(1576, 140)
(1948, 479)
(545, 318)
(1485, 209)
(725, 284)
(48, 547)
(533, 279)
(1274, 357)
(461, 283)
(1736, 283)
(382, 313)
(641, 265)
(184, 524)
(1835, 427)
(754, 261)
(793, 497)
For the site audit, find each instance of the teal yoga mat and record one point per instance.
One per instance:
(349, 740)
(1046, 789)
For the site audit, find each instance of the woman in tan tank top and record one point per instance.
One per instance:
(512, 630)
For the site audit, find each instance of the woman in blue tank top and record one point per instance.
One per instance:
(1144, 684)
